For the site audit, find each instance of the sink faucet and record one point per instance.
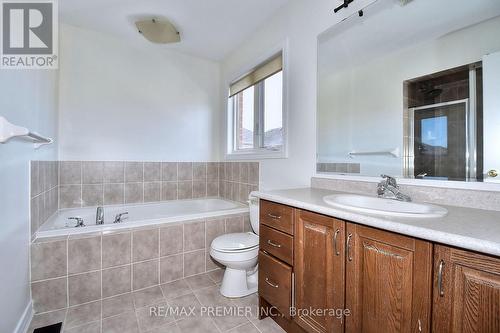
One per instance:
(99, 218)
(388, 188)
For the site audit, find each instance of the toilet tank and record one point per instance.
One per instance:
(253, 203)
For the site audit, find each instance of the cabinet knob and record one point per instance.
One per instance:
(493, 173)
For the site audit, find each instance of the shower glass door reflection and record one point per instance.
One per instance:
(441, 146)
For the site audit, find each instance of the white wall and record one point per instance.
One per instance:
(121, 102)
(300, 22)
(27, 98)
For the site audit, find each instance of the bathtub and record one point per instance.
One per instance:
(138, 215)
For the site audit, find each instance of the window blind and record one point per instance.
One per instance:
(262, 72)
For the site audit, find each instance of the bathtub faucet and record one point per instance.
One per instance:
(119, 217)
(99, 218)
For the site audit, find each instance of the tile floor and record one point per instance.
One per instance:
(130, 313)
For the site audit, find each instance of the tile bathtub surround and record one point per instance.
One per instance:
(238, 179)
(70, 272)
(44, 177)
(93, 183)
(438, 195)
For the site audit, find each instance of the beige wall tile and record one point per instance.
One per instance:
(210, 263)
(185, 171)
(93, 172)
(212, 189)
(145, 244)
(49, 295)
(145, 274)
(114, 194)
(234, 224)
(215, 228)
(134, 172)
(152, 192)
(35, 188)
(185, 190)
(171, 268)
(152, 171)
(244, 166)
(70, 173)
(134, 192)
(84, 254)
(116, 249)
(171, 240)
(48, 260)
(94, 327)
(253, 173)
(47, 319)
(70, 196)
(200, 171)
(92, 195)
(213, 171)
(194, 263)
(83, 288)
(168, 191)
(169, 171)
(114, 172)
(199, 189)
(116, 281)
(194, 236)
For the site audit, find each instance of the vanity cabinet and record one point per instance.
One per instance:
(319, 271)
(466, 295)
(388, 281)
(383, 281)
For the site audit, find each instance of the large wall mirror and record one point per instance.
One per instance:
(412, 91)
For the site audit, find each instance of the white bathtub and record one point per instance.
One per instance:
(138, 215)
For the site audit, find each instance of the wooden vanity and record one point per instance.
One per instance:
(363, 279)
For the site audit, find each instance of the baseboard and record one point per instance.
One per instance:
(25, 320)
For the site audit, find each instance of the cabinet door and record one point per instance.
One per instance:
(319, 263)
(466, 292)
(388, 281)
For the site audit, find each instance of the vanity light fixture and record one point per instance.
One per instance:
(158, 31)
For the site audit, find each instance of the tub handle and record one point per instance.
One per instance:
(79, 221)
(119, 217)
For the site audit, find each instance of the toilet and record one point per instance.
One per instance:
(239, 253)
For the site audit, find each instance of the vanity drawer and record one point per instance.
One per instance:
(276, 216)
(276, 243)
(275, 283)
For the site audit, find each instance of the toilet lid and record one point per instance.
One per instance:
(235, 242)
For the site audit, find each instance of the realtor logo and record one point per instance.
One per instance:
(29, 34)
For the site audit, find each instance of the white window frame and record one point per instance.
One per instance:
(258, 153)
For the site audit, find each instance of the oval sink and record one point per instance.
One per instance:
(380, 206)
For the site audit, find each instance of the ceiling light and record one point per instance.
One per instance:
(159, 32)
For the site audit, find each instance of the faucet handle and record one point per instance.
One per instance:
(79, 221)
(119, 217)
(390, 180)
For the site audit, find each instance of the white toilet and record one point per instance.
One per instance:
(239, 252)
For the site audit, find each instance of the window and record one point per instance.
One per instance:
(256, 111)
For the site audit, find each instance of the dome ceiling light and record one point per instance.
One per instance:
(158, 31)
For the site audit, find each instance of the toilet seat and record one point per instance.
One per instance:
(236, 243)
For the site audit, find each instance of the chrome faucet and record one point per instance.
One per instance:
(99, 218)
(388, 188)
(119, 217)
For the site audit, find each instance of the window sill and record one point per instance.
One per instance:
(257, 154)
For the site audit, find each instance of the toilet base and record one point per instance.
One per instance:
(239, 283)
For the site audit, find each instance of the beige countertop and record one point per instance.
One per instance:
(467, 228)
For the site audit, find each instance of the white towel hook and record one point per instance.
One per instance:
(9, 131)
